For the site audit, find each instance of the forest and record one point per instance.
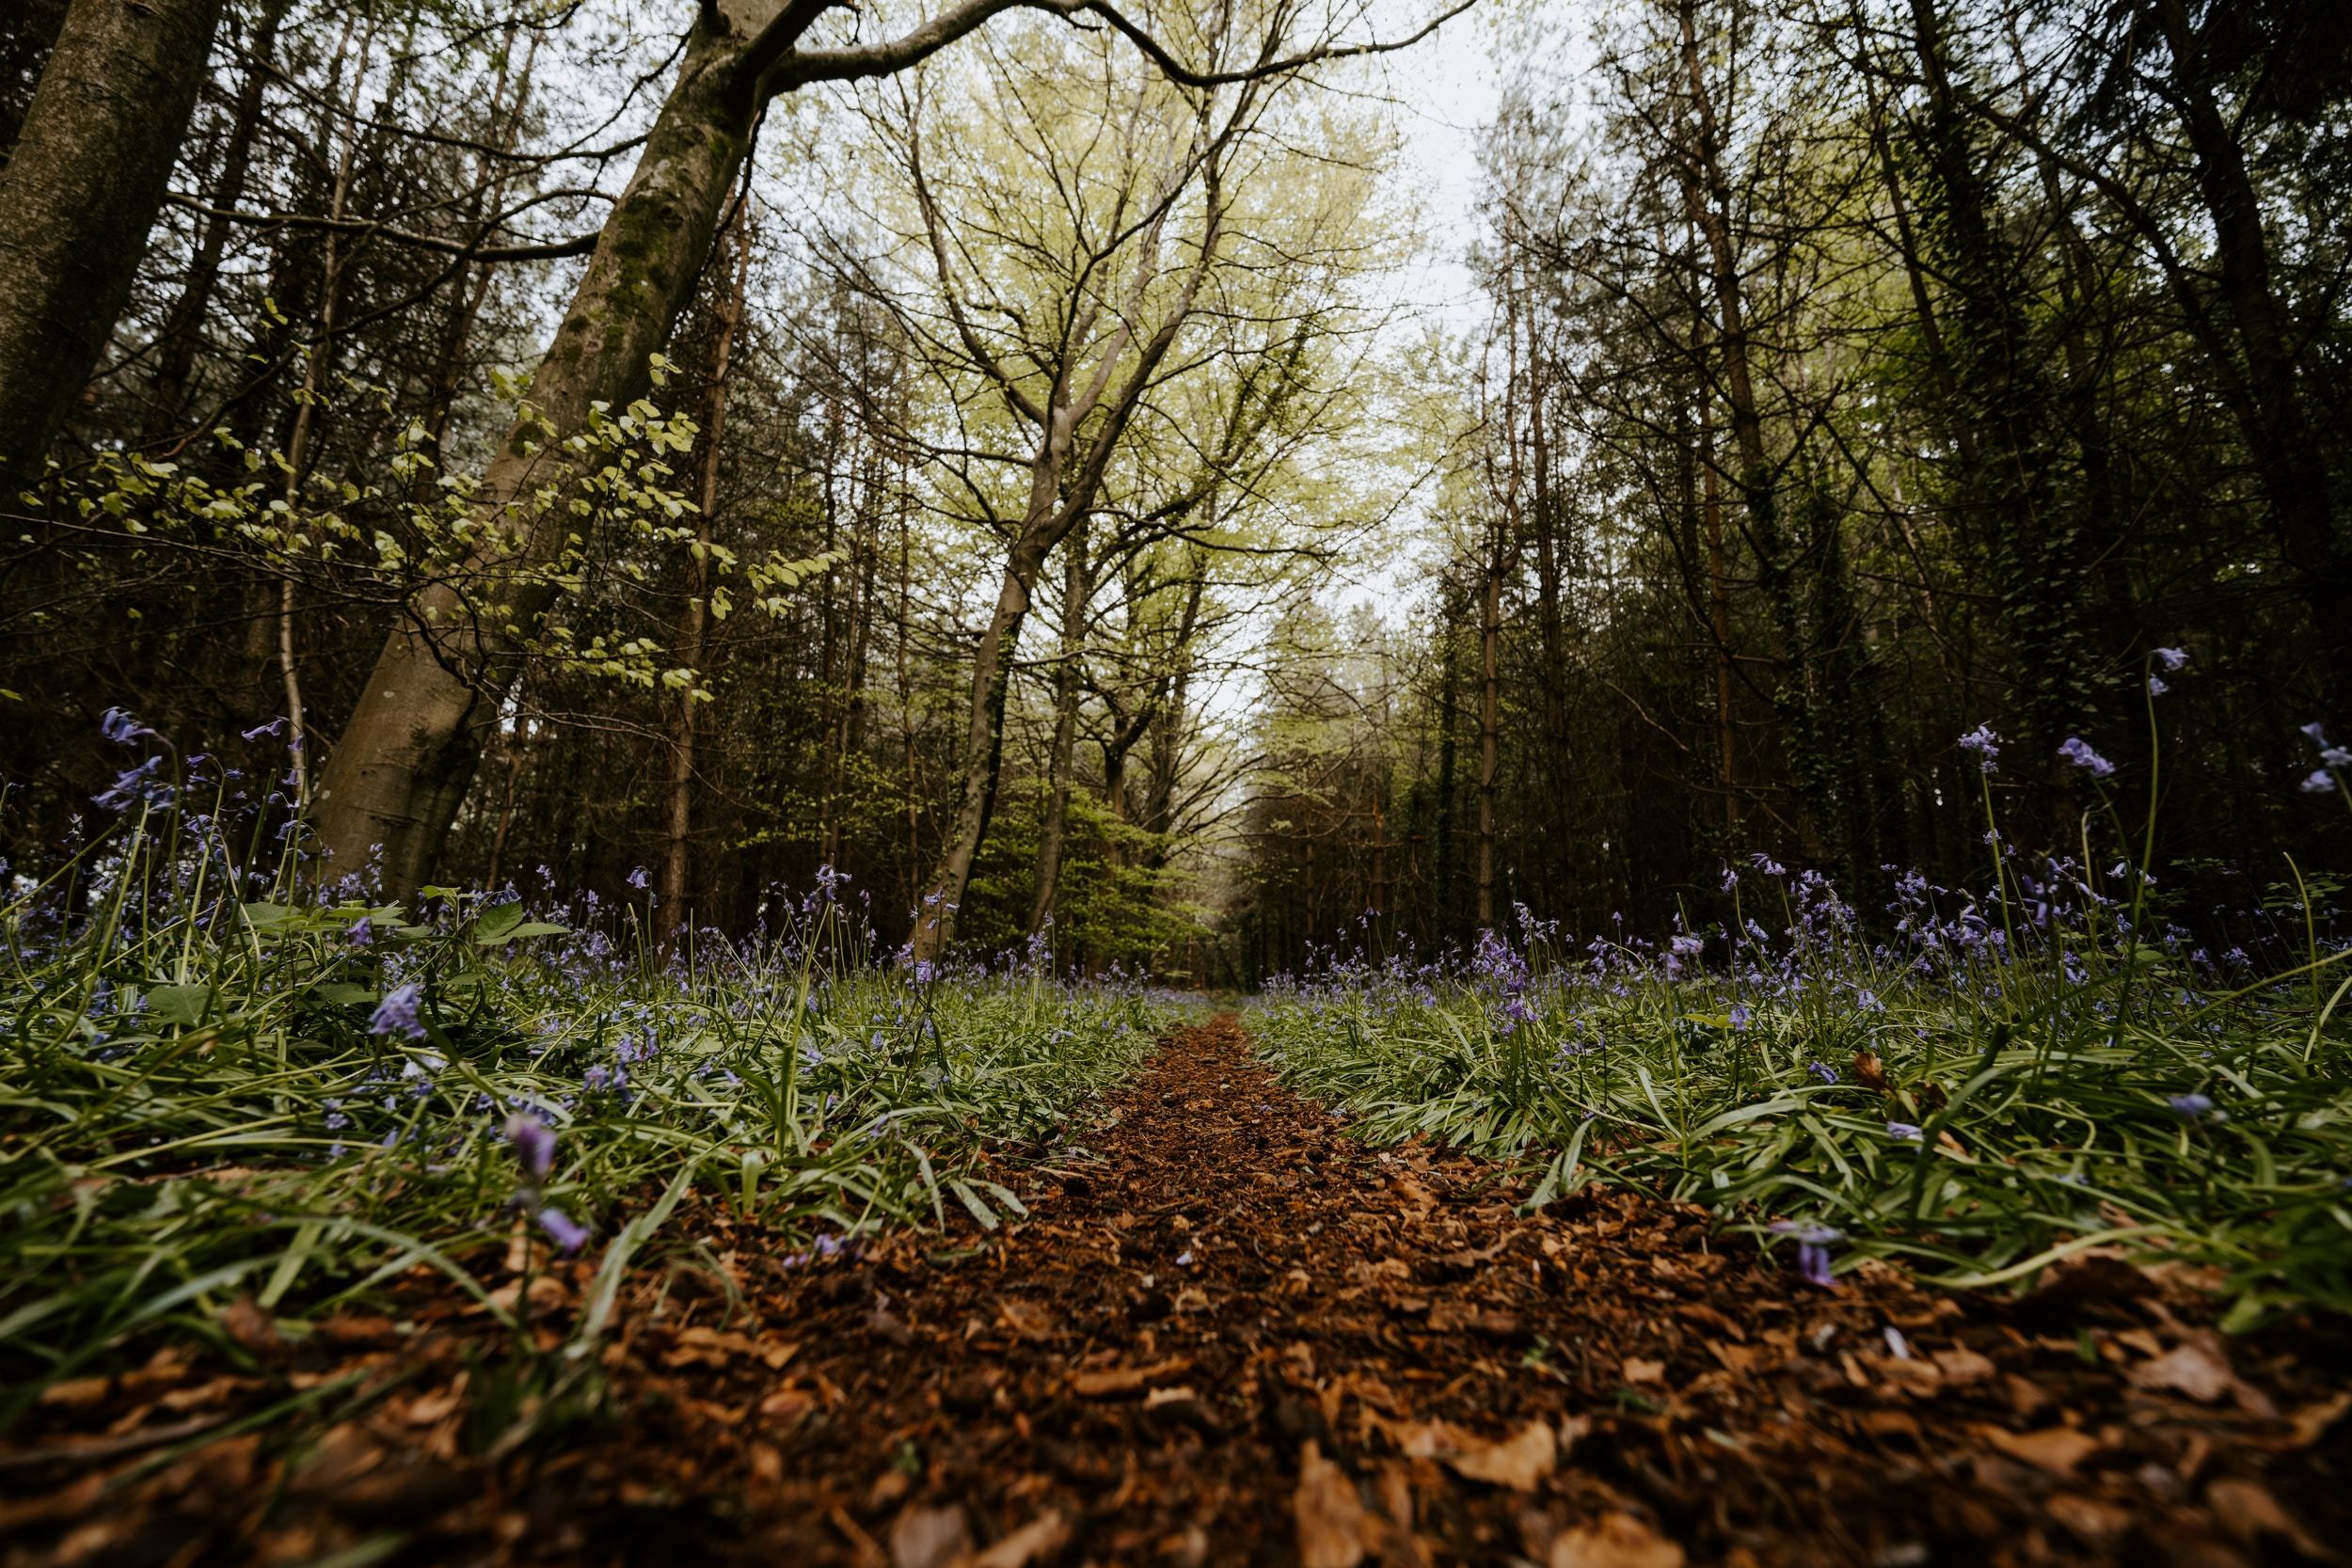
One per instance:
(971, 783)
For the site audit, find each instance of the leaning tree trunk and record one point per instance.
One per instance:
(81, 190)
(406, 757)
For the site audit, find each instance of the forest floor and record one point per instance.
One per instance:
(1235, 1335)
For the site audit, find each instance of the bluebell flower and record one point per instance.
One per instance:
(638, 880)
(567, 1233)
(2194, 1108)
(1904, 1132)
(2078, 751)
(1987, 746)
(2319, 781)
(275, 726)
(397, 1013)
(1823, 1071)
(2156, 687)
(120, 728)
(2172, 660)
(1813, 1241)
(534, 1143)
(1739, 1015)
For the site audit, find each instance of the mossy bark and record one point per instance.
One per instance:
(406, 759)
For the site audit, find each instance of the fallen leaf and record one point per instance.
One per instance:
(1869, 1073)
(254, 1330)
(1111, 1382)
(1961, 1365)
(2248, 1511)
(1640, 1371)
(1041, 1538)
(786, 1406)
(1030, 1319)
(2311, 1422)
(1616, 1541)
(2189, 1369)
(2056, 1449)
(1518, 1461)
(1330, 1518)
(929, 1537)
(2094, 1521)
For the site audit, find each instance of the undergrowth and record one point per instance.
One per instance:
(2008, 1078)
(218, 1082)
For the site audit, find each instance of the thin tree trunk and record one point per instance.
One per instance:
(1076, 590)
(183, 331)
(695, 616)
(1490, 650)
(80, 192)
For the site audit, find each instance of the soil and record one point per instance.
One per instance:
(1230, 1334)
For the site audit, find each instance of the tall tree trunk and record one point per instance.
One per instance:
(406, 757)
(694, 615)
(1489, 653)
(80, 192)
(183, 334)
(2292, 466)
(1076, 589)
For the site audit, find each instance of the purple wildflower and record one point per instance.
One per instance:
(2320, 781)
(638, 880)
(275, 726)
(362, 933)
(1823, 1071)
(534, 1143)
(566, 1232)
(1813, 1241)
(1987, 746)
(120, 728)
(1740, 1013)
(2194, 1108)
(2172, 660)
(397, 1013)
(1904, 1133)
(2078, 751)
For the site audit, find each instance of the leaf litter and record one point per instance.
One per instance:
(1231, 1333)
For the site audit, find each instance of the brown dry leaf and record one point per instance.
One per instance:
(786, 1406)
(775, 1353)
(1030, 1319)
(1518, 1461)
(2311, 1422)
(2187, 1369)
(2094, 1520)
(1111, 1382)
(2248, 1511)
(1616, 1541)
(1330, 1518)
(1961, 1365)
(253, 1329)
(930, 1537)
(547, 1291)
(1869, 1073)
(76, 1393)
(1034, 1542)
(2056, 1449)
(1637, 1370)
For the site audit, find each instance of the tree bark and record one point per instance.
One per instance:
(695, 616)
(181, 337)
(80, 192)
(1076, 590)
(406, 757)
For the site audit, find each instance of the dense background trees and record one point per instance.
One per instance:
(1856, 374)
(981, 451)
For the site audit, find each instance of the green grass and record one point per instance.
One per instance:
(194, 1106)
(2042, 1075)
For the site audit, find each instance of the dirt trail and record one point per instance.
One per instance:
(1236, 1336)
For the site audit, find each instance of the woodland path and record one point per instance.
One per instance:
(1236, 1336)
